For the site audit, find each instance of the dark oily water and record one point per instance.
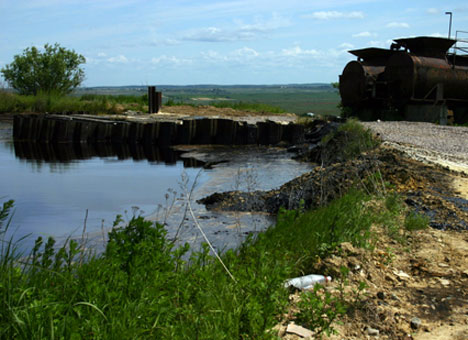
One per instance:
(61, 189)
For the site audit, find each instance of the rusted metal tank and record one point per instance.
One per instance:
(358, 83)
(425, 74)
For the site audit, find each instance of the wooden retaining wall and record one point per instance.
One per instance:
(66, 129)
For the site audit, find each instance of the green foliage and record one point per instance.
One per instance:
(303, 238)
(5, 212)
(53, 70)
(236, 105)
(245, 106)
(393, 203)
(120, 99)
(391, 219)
(416, 221)
(347, 142)
(54, 103)
(142, 287)
(319, 309)
(172, 102)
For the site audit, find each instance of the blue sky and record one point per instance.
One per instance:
(180, 42)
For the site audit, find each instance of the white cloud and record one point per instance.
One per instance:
(246, 52)
(365, 34)
(346, 45)
(397, 25)
(242, 55)
(241, 32)
(433, 11)
(119, 59)
(327, 15)
(377, 43)
(215, 34)
(298, 51)
(171, 60)
(292, 57)
(261, 25)
(101, 55)
(212, 56)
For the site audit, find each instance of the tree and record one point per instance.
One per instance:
(55, 69)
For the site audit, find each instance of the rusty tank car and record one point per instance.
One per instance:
(359, 83)
(416, 79)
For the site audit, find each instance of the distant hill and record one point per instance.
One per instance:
(204, 86)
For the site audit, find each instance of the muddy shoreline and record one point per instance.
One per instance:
(426, 188)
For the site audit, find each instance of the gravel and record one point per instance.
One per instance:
(445, 145)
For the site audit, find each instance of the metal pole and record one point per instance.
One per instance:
(450, 24)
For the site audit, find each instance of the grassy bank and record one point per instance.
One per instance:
(51, 103)
(107, 104)
(141, 287)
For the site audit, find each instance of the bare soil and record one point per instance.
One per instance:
(424, 277)
(211, 111)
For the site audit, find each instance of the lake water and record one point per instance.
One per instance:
(60, 189)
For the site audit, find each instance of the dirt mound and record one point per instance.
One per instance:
(225, 112)
(415, 289)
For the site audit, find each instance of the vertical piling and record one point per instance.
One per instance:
(154, 100)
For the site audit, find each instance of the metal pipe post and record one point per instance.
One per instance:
(450, 24)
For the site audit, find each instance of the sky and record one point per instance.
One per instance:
(181, 42)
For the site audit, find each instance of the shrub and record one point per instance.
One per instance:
(53, 70)
(347, 142)
(416, 221)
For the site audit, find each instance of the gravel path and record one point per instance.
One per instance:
(446, 145)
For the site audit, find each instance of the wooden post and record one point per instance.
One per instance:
(154, 100)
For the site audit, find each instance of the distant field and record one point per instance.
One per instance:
(299, 99)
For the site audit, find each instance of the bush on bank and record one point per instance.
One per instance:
(347, 142)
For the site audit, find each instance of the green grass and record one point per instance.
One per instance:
(295, 101)
(242, 106)
(52, 103)
(347, 142)
(245, 106)
(142, 287)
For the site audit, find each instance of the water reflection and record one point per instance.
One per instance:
(63, 155)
